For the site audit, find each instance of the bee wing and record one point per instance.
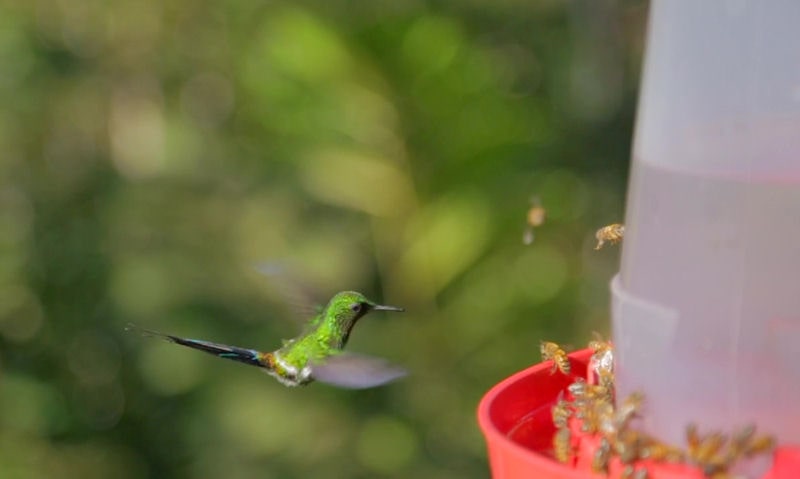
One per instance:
(528, 236)
(355, 371)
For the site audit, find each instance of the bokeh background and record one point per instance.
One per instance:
(152, 152)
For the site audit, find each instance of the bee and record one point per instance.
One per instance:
(602, 361)
(709, 446)
(628, 446)
(553, 351)
(601, 457)
(612, 233)
(596, 415)
(715, 469)
(584, 393)
(578, 389)
(661, 452)
(740, 441)
(631, 472)
(561, 412)
(562, 444)
(587, 413)
(536, 216)
(627, 472)
(760, 445)
(604, 413)
(692, 438)
(629, 409)
(599, 345)
(707, 454)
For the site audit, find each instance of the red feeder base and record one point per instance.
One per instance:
(515, 417)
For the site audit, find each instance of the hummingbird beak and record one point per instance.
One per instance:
(383, 307)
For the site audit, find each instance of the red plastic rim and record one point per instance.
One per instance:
(503, 410)
(515, 418)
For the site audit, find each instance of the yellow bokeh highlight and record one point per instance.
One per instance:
(359, 181)
(443, 240)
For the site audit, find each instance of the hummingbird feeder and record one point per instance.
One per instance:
(706, 307)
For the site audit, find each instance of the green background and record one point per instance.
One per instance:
(152, 152)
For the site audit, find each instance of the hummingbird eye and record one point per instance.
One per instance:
(355, 307)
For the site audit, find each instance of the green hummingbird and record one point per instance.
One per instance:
(317, 354)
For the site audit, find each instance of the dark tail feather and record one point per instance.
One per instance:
(242, 355)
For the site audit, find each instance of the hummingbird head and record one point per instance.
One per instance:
(347, 307)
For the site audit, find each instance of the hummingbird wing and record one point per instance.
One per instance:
(355, 371)
(301, 298)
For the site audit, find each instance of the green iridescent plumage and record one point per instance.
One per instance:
(318, 353)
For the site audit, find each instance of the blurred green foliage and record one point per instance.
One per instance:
(152, 152)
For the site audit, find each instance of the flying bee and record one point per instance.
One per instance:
(561, 412)
(601, 457)
(612, 233)
(552, 351)
(562, 444)
(535, 218)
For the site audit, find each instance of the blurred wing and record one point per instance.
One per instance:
(356, 371)
(300, 297)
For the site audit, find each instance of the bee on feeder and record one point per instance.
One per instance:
(562, 444)
(552, 351)
(707, 454)
(628, 445)
(601, 457)
(692, 437)
(660, 452)
(612, 233)
(535, 218)
(629, 409)
(599, 346)
(605, 417)
(740, 442)
(708, 448)
(760, 445)
(631, 472)
(602, 361)
(561, 412)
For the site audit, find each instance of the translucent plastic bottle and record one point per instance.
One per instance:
(706, 309)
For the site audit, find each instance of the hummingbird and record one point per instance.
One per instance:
(316, 354)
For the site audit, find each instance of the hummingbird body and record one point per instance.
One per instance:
(318, 353)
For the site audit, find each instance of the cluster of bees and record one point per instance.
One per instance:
(612, 233)
(591, 405)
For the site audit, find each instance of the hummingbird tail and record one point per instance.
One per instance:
(242, 355)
